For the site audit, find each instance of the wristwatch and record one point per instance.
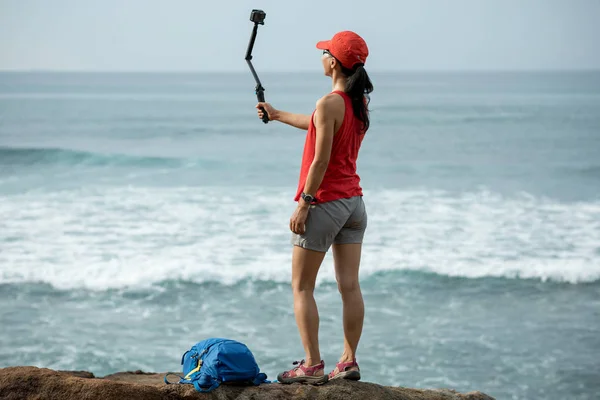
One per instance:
(308, 198)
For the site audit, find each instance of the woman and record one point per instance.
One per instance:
(330, 211)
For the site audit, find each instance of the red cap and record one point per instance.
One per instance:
(347, 47)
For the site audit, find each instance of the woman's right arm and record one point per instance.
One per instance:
(300, 121)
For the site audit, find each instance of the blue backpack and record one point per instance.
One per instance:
(213, 361)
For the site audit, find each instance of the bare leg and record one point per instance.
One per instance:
(305, 265)
(347, 261)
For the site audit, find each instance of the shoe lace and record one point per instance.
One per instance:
(298, 363)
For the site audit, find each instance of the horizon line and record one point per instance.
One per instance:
(304, 71)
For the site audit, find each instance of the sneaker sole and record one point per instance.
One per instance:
(350, 375)
(313, 380)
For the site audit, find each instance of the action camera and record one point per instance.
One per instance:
(258, 16)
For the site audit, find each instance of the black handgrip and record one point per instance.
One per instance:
(261, 99)
(265, 117)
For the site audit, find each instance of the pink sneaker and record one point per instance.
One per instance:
(303, 374)
(344, 372)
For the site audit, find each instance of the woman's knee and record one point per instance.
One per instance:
(348, 286)
(302, 286)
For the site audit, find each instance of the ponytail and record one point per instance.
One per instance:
(358, 87)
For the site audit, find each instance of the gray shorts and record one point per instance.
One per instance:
(340, 221)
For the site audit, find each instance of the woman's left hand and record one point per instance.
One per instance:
(298, 220)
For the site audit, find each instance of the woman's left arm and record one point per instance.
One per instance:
(324, 124)
(328, 109)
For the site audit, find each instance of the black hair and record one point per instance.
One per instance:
(358, 87)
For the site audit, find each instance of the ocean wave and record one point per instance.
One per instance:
(98, 238)
(31, 156)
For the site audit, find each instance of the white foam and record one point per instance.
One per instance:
(101, 238)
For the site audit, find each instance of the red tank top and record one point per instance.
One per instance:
(340, 180)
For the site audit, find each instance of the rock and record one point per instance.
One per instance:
(34, 383)
(80, 374)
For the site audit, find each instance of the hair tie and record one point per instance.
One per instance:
(357, 66)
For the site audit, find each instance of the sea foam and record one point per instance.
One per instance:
(100, 238)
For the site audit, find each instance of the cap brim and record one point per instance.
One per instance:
(323, 44)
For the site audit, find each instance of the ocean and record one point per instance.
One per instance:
(143, 212)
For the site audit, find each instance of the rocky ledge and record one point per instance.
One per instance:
(41, 383)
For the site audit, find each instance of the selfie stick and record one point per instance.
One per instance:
(258, 17)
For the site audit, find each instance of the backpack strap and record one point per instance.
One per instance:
(260, 378)
(183, 356)
(215, 385)
(195, 370)
(171, 373)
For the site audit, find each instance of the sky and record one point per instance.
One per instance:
(198, 35)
